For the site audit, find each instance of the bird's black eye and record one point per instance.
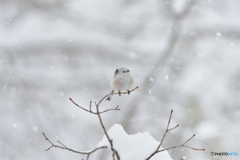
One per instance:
(127, 70)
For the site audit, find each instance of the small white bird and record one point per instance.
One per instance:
(122, 81)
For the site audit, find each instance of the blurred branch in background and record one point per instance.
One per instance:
(177, 20)
(22, 8)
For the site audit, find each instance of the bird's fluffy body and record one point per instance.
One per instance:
(122, 81)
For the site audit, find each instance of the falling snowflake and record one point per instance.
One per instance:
(166, 77)
(150, 91)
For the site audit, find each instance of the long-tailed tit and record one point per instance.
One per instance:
(122, 81)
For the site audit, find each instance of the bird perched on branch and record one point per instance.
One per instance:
(122, 81)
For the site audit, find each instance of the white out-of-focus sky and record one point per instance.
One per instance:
(184, 56)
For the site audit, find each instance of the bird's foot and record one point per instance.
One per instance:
(128, 92)
(108, 99)
(119, 93)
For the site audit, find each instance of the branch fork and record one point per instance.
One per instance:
(167, 130)
(98, 113)
(88, 153)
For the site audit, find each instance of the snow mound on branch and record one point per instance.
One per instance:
(133, 147)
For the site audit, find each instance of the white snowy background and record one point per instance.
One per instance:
(185, 56)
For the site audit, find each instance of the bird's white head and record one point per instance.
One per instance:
(121, 70)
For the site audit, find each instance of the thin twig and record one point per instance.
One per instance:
(173, 127)
(61, 144)
(90, 106)
(167, 130)
(82, 107)
(109, 110)
(179, 147)
(189, 139)
(88, 153)
(183, 145)
(90, 110)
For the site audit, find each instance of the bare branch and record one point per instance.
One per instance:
(195, 148)
(179, 147)
(109, 110)
(105, 131)
(173, 127)
(82, 107)
(116, 93)
(189, 139)
(90, 110)
(61, 143)
(183, 145)
(167, 130)
(98, 113)
(88, 153)
(90, 106)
